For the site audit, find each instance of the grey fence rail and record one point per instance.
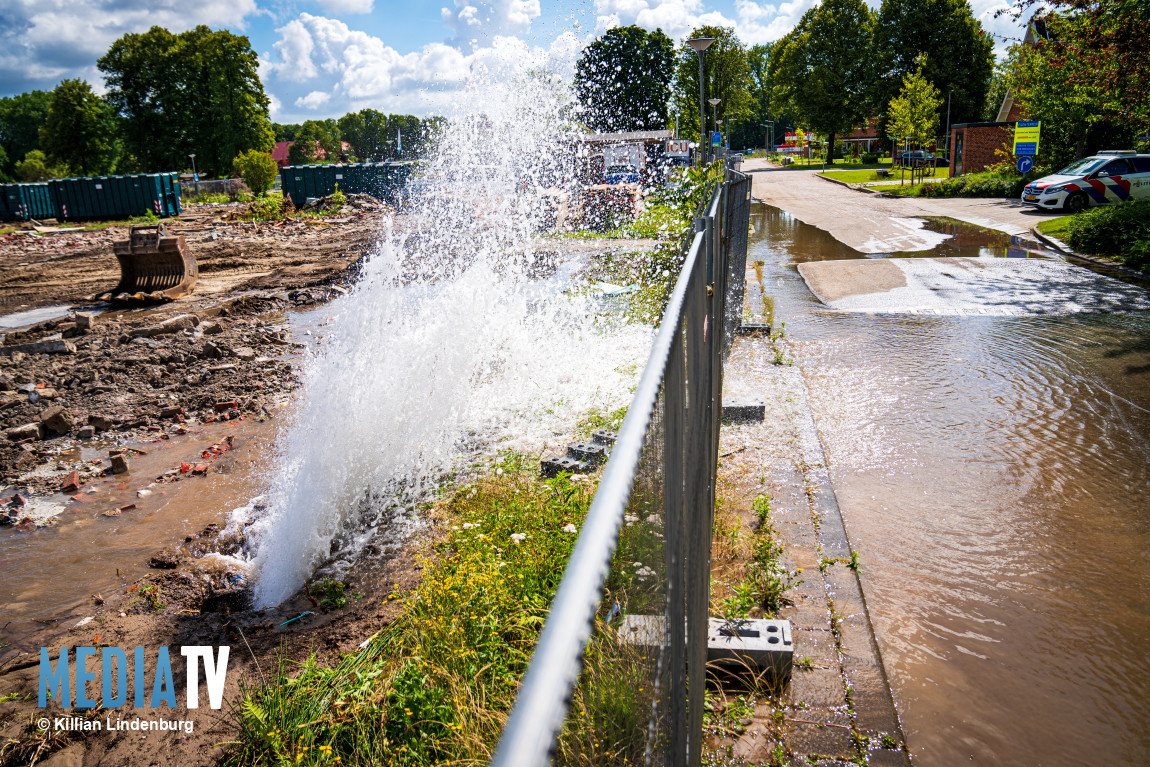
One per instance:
(618, 673)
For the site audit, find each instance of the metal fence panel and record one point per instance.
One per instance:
(618, 673)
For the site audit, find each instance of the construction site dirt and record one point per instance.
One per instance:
(129, 432)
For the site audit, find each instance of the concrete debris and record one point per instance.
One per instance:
(57, 418)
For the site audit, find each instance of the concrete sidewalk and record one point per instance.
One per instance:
(874, 224)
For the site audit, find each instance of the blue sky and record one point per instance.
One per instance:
(322, 58)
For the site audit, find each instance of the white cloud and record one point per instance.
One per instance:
(675, 17)
(474, 23)
(764, 23)
(313, 100)
(43, 41)
(337, 7)
(322, 63)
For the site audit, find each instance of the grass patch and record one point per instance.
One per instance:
(435, 685)
(863, 176)
(1058, 228)
(756, 582)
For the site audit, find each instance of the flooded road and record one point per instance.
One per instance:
(992, 473)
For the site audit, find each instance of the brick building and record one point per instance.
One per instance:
(974, 146)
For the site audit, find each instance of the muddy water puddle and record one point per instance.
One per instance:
(51, 575)
(992, 473)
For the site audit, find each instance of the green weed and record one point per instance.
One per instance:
(436, 684)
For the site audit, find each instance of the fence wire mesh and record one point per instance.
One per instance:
(618, 673)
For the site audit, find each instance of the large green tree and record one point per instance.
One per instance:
(21, 117)
(80, 129)
(196, 92)
(623, 80)
(726, 76)
(822, 71)
(959, 56)
(1080, 113)
(1100, 42)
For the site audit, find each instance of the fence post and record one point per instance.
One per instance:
(674, 421)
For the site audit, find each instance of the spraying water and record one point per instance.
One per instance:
(458, 336)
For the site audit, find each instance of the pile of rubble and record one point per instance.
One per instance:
(66, 382)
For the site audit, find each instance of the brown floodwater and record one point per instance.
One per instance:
(51, 575)
(993, 475)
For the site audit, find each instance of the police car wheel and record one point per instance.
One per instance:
(1074, 203)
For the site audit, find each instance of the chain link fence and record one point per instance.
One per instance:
(618, 673)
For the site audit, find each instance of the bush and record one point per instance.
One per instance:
(1122, 231)
(257, 169)
(869, 158)
(268, 208)
(37, 167)
(977, 185)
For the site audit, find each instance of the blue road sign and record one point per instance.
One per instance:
(1024, 164)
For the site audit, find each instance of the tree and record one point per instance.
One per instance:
(822, 69)
(257, 169)
(959, 56)
(913, 113)
(79, 129)
(1078, 111)
(325, 134)
(1101, 43)
(304, 149)
(36, 167)
(623, 80)
(996, 93)
(283, 132)
(21, 117)
(725, 75)
(196, 92)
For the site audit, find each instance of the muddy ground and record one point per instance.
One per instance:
(99, 389)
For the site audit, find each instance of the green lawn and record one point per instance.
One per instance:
(866, 175)
(1059, 228)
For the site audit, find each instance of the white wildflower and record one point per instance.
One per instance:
(570, 529)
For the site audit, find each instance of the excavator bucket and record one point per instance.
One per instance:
(153, 266)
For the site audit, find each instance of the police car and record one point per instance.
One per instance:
(1111, 176)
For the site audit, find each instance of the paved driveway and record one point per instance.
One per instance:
(874, 224)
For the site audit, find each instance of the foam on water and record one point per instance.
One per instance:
(450, 343)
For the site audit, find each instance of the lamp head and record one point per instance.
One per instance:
(714, 102)
(701, 43)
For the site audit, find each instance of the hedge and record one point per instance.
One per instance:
(976, 185)
(1121, 231)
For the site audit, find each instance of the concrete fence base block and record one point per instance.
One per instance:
(744, 412)
(751, 644)
(554, 466)
(754, 329)
(588, 452)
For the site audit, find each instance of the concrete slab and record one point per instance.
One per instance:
(968, 287)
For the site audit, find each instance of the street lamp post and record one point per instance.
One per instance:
(714, 116)
(701, 44)
(770, 126)
(195, 176)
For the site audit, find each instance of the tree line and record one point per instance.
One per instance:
(372, 136)
(841, 65)
(170, 96)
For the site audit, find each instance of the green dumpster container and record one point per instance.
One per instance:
(23, 202)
